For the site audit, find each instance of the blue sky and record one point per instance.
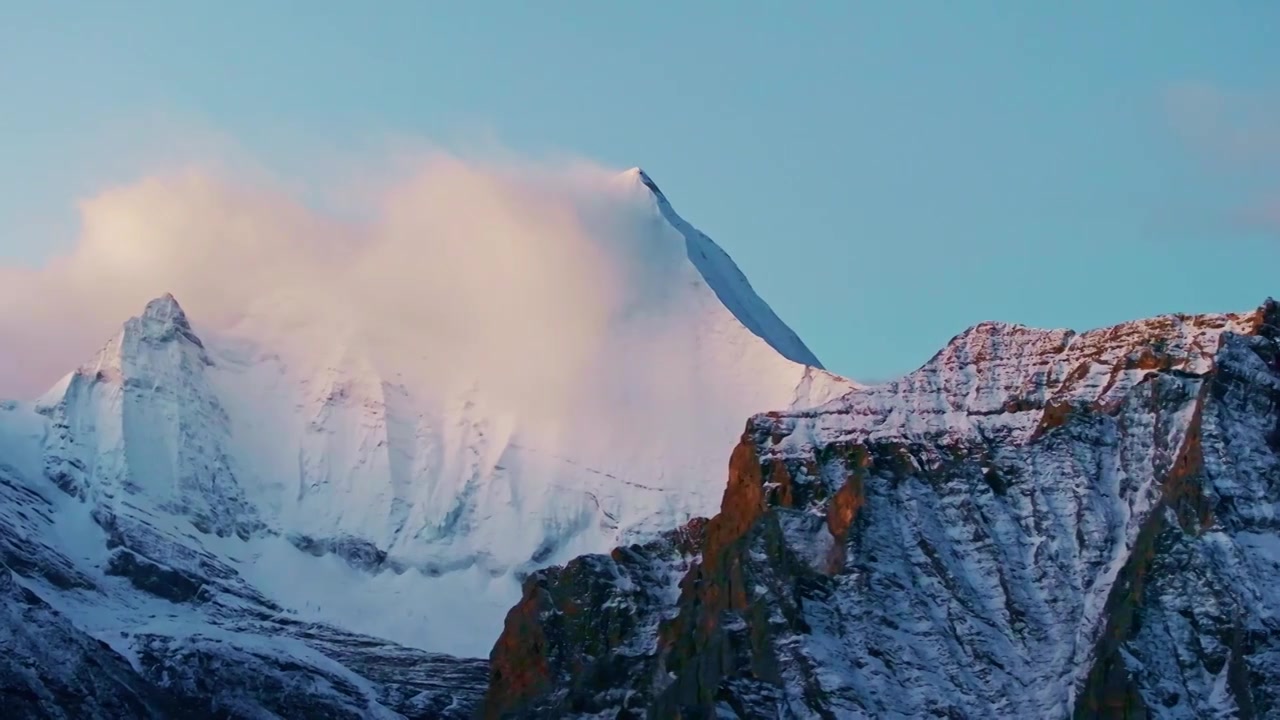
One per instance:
(886, 174)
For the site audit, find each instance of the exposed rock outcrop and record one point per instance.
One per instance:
(1034, 524)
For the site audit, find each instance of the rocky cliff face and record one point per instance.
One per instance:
(1034, 524)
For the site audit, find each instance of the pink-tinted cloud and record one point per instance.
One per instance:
(1236, 136)
(487, 255)
(1264, 213)
(1234, 130)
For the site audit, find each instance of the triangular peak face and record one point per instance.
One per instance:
(722, 276)
(163, 317)
(141, 426)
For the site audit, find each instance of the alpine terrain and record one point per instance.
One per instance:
(1035, 524)
(326, 510)
(288, 516)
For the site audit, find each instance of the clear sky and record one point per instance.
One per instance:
(886, 174)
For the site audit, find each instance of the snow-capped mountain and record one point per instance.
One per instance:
(1038, 524)
(322, 509)
(332, 494)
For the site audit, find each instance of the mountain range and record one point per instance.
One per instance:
(297, 515)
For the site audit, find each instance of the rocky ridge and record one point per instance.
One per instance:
(1034, 524)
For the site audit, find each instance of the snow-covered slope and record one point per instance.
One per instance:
(304, 478)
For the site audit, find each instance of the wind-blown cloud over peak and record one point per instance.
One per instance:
(492, 260)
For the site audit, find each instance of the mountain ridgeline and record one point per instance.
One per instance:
(1037, 524)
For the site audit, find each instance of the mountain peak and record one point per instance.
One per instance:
(166, 309)
(163, 319)
(638, 175)
(726, 280)
(1268, 318)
